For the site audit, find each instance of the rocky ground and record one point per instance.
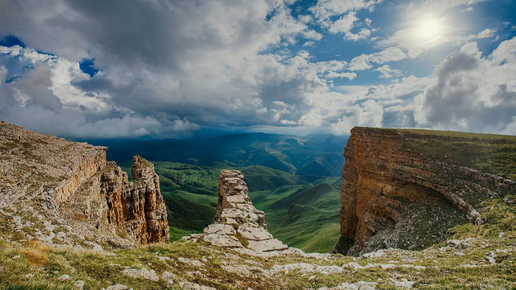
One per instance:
(475, 263)
(474, 257)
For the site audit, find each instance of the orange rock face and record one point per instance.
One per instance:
(396, 193)
(136, 208)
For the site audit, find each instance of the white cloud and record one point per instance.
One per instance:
(469, 9)
(348, 75)
(184, 125)
(311, 34)
(327, 8)
(364, 61)
(308, 43)
(466, 83)
(362, 34)
(369, 113)
(418, 8)
(387, 72)
(486, 33)
(343, 24)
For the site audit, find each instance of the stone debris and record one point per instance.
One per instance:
(79, 284)
(194, 263)
(404, 283)
(194, 286)
(63, 277)
(360, 285)
(169, 277)
(117, 287)
(237, 223)
(142, 273)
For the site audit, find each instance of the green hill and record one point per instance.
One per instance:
(297, 212)
(303, 216)
(319, 155)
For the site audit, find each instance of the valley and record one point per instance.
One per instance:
(294, 180)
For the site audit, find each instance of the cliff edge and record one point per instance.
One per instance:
(63, 192)
(406, 188)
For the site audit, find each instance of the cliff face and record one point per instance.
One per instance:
(136, 208)
(237, 223)
(66, 192)
(406, 188)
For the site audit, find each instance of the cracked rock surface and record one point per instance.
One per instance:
(237, 223)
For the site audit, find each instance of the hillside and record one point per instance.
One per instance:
(319, 155)
(190, 194)
(304, 217)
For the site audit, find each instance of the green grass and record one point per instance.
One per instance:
(485, 152)
(305, 217)
(190, 192)
(177, 233)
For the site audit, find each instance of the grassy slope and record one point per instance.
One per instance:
(488, 153)
(443, 266)
(312, 224)
(305, 218)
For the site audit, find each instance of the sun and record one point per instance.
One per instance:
(428, 28)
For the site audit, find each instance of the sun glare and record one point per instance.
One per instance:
(429, 28)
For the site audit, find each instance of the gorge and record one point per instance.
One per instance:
(414, 205)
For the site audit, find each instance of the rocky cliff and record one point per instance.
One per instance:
(66, 192)
(237, 223)
(406, 188)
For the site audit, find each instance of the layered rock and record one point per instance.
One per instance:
(237, 223)
(406, 188)
(66, 192)
(136, 208)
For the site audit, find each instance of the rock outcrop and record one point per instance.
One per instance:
(406, 188)
(136, 208)
(237, 223)
(66, 192)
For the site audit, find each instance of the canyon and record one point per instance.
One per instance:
(419, 209)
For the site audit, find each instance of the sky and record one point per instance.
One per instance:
(175, 68)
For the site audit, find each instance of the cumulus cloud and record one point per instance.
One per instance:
(365, 61)
(387, 72)
(344, 23)
(368, 113)
(472, 93)
(327, 8)
(362, 34)
(190, 64)
(220, 63)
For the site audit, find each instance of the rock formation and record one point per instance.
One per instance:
(136, 208)
(237, 223)
(406, 188)
(66, 192)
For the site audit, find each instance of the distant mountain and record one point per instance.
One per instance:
(319, 155)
